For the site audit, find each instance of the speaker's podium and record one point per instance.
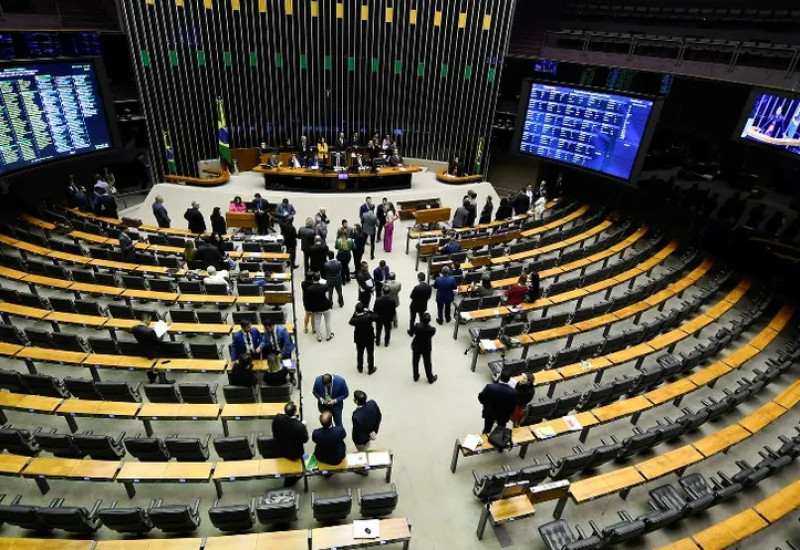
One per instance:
(345, 181)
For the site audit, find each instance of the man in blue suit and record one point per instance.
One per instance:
(330, 447)
(247, 340)
(445, 286)
(330, 391)
(278, 339)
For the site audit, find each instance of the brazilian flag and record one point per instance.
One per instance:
(222, 135)
(172, 167)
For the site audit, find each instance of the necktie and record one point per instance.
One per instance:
(249, 343)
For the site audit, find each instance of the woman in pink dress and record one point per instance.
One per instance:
(237, 205)
(388, 229)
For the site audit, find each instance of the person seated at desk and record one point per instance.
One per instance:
(322, 150)
(355, 141)
(329, 442)
(294, 162)
(373, 149)
(483, 289)
(341, 143)
(312, 163)
(150, 344)
(273, 161)
(357, 165)
(241, 373)
(278, 337)
(394, 158)
(237, 205)
(454, 168)
(387, 143)
(451, 247)
(248, 340)
(215, 277)
(208, 254)
(127, 245)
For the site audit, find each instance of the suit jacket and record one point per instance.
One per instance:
(364, 324)
(259, 204)
(290, 434)
(218, 224)
(423, 337)
(197, 224)
(366, 419)
(127, 246)
(160, 212)
(364, 208)
(460, 217)
(333, 272)
(486, 213)
(444, 289)
(147, 339)
(393, 291)
(306, 235)
(284, 344)
(239, 345)
(106, 206)
(521, 204)
(339, 391)
(330, 447)
(385, 308)
(472, 214)
(317, 298)
(380, 213)
(361, 278)
(369, 223)
(420, 295)
(499, 401)
(239, 376)
(318, 255)
(207, 255)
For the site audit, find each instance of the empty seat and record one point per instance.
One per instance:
(570, 465)
(69, 342)
(147, 449)
(190, 287)
(64, 305)
(100, 447)
(162, 285)
(232, 518)
(125, 520)
(175, 518)
(174, 350)
(187, 449)
(205, 351)
(133, 282)
(198, 393)
(82, 389)
(273, 317)
(59, 445)
(162, 393)
(375, 505)
(89, 308)
(12, 381)
(105, 346)
(490, 486)
(39, 338)
(277, 506)
(119, 311)
(18, 442)
(119, 391)
(74, 519)
(268, 447)
(233, 448)
(21, 515)
(239, 316)
(556, 534)
(182, 316)
(239, 394)
(332, 509)
(211, 317)
(276, 394)
(11, 334)
(44, 384)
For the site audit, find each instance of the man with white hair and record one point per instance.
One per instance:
(217, 277)
(160, 212)
(197, 224)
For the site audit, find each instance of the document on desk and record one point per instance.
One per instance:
(472, 442)
(573, 423)
(379, 458)
(160, 327)
(357, 460)
(466, 316)
(545, 432)
(288, 363)
(367, 529)
(488, 345)
(586, 365)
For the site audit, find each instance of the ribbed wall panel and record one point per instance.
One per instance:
(270, 69)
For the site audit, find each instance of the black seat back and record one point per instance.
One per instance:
(147, 449)
(82, 389)
(331, 509)
(44, 384)
(175, 518)
(99, 447)
(162, 393)
(18, 442)
(232, 518)
(375, 505)
(276, 394)
(59, 445)
(239, 394)
(126, 520)
(187, 449)
(198, 393)
(277, 506)
(267, 447)
(118, 391)
(69, 518)
(233, 448)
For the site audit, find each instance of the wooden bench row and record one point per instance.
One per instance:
(72, 408)
(392, 530)
(131, 473)
(634, 406)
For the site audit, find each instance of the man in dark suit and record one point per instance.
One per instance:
(521, 203)
(330, 391)
(104, 204)
(499, 400)
(317, 255)
(248, 340)
(289, 433)
(260, 208)
(386, 310)
(454, 168)
(150, 346)
(127, 245)
(422, 346)
(330, 447)
(208, 255)
(366, 420)
(197, 224)
(380, 213)
(364, 337)
(445, 285)
(160, 212)
(420, 295)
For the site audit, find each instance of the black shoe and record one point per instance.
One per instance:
(410, 332)
(434, 379)
(439, 321)
(377, 343)
(416, 377)
(447, 320)
(360, 369)
(372, 370)
(295, 266)
(386, 344)
(329, 338)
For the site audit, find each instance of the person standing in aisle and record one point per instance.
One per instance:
(330, 391)
(366, 421)
(306, 235)
(369, 226)
(422, 347)
(386, 310)
(445, 286)
(360, 244)
(160, 212)
(380, 213)
(420, 295)
(345, 245)
(320, 306)
(333, 277)
(366, 286)
(363, 325)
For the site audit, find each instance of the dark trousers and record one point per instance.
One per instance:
(381, 224)
(413, 314)
(365, 297)
(372, 246)
(292, 255)
(357, 255)
(338, 287)
(488, 424)
(383, 326)
(426, 360)
(370, 349)
(306, 261)
(344, 257)
(443, 307)
(262, 223)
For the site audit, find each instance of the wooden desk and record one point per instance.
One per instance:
(176, 411)
(504, 510)
(738, 357)
(212, 329)
(672, 461)
(51, 282)
(682, 544)
(96, 289)
(789, 397)
(300, 179)
(627, 407)
(376, 459)
(12, 465)
(763, 339)
(431, 215)
(777, 505)
(22, 311)
(77, 319)
(8, 543)
(151, 544)
(676, 390)
(206, 299)
(9, 350)
(99, 409)
(128, 362)
(42, 469)
(605, 484)
(444, 177)
(49, 355)
(264, 468)
(248, 411)
(709, 374)
(29, 403)
(730, 531)
(340, 537)
(721, 440)
(276, 540)
(132, 473)
(191, 365)
(150, 295)
(761, 417)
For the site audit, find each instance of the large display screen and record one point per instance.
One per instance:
(594, 130)
(49, 111)
(773, 120)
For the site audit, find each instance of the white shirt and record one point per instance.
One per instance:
(219, 278)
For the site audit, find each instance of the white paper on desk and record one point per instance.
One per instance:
(573, 423)
(585, 365)
(466, 316)
(472, 442)
(288, 363)
(367, 529)
(356, 460)
(379, 458)
(488, 345)
(160, 327)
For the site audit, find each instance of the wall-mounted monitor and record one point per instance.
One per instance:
(772, 119)
(50, 111)
(590, 129)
